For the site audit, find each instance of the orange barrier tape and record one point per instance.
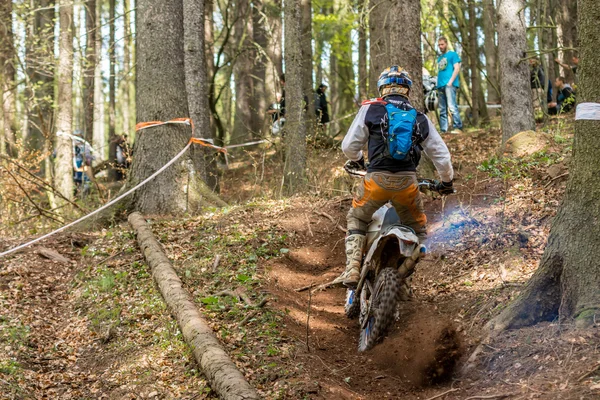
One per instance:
(144, 125)
(202, 142)
(187, 121)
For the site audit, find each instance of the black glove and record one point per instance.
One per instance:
(444, 188)
(356, 165)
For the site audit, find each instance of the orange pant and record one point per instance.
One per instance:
(376, 189)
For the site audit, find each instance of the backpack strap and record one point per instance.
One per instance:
(377, 100)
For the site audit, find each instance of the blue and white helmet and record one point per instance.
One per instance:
(393, 76)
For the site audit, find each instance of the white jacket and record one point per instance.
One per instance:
(433, 146)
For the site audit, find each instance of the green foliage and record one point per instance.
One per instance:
(9, 367)
(13, 332)
(518, 168)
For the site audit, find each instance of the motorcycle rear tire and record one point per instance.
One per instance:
(383, 309)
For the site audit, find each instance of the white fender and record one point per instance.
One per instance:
(407, 242)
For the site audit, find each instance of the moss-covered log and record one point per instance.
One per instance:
(220, 371)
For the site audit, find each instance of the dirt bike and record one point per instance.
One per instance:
(392, 252)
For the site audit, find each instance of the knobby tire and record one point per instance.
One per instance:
(383, 309)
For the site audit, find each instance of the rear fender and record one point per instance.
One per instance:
(405, 238)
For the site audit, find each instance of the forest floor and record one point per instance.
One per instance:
(93, 325)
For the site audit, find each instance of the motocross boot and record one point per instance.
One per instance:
(354, 251)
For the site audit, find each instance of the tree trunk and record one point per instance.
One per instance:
(39, 54)
(244, 53)
(112, 93)
(196, 85)
(517, 102)
(272, 10)
(567, 281)
(259, 72)
(362, 51)
(567, 35)
(473, 58)
(295, 126)
(307, 71)
(161, 95)
(491, 52)
(89, 70)
(126, 75)
(209, 55)
(99, 139)
(319, 49)
(7, 78)
(396, 40)
(342, 72)
(63, 168)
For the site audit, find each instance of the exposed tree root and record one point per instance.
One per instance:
(227, 381)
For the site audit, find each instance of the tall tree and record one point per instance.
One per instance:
(39, 58)
(567, 34)
(161, 95)
(567, 282)
(63, 169)
(112, 92)
(259, 93)
(209, 55)
(7, 78)
(517, 102)
(273, 50)
(342, 67)
(98, 117)
(395, 35)
(473, 59)
(491, 51)
(307, 56)
(196, 84)
(362, 50)
(89, 70)
(242, 52)
(295, 126)
(126, 70)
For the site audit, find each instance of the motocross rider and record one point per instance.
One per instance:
(388, 179)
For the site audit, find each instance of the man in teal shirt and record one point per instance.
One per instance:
(447, 85)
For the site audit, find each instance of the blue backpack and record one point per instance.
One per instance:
(401, 124)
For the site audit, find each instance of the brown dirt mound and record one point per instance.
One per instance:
(422, 349)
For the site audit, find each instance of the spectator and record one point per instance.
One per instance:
(565, 99)
(447, 85)
(321, 108)
(572, 67)
(277, 119)
(80, 178)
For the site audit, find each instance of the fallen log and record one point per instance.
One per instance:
(222, 374)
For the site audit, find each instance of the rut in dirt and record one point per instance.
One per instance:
(421, 348)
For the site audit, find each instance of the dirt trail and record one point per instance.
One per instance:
(421, 349)
(37, 295)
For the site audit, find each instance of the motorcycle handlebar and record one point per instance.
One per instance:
(357, 172)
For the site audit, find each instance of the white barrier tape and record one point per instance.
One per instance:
(588, 111)
(487, 105)
(231, 146)
(148, 179)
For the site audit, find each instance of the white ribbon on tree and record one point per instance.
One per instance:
(588, 111)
